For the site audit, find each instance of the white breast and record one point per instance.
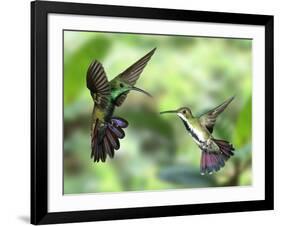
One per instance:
(198, 133)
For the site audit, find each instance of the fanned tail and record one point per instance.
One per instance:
(214, 161)
(105, 138)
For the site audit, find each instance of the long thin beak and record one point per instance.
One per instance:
(140, 90)
(165, 112)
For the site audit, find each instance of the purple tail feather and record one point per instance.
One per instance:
(214, 161)
(105, 138)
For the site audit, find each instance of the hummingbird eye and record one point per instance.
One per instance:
(121, 85)
(184, 111)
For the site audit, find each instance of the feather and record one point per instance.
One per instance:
(117, 131)
(119, 122)
(208, 119)
(132, 74)
(98, 84)
(214, 160)
(105, 138)
(113, 140)
(108, 149)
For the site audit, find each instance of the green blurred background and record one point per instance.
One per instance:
(157, 152)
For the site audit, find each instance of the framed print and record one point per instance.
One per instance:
(145, 112)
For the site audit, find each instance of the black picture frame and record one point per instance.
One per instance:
(39, 111)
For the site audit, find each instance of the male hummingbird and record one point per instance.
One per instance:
(106, 129)
(214, 152)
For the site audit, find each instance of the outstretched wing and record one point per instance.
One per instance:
(98, 84)
(132, 74)
(208, 119)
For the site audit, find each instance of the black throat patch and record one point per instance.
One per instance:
(194, 135)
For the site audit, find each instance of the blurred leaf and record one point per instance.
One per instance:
(76, 66)
(243, 131)
(244, 152)
(187, 176)
(142, 119)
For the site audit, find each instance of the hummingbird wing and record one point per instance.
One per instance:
(132, 74)
(98, 84)
(208, 119)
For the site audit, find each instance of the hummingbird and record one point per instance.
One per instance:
(106, 129)
(215, 152)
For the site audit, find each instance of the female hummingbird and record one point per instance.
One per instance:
(106, 129)
(214, 152)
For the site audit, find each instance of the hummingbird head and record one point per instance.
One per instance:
(123, 87)
(183, 113)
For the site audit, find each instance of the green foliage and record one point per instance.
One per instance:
(157, 152)
(186, 176)
(74, 77)
(242, 133)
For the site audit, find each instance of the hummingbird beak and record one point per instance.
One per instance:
(140, 90)
(165, 112)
